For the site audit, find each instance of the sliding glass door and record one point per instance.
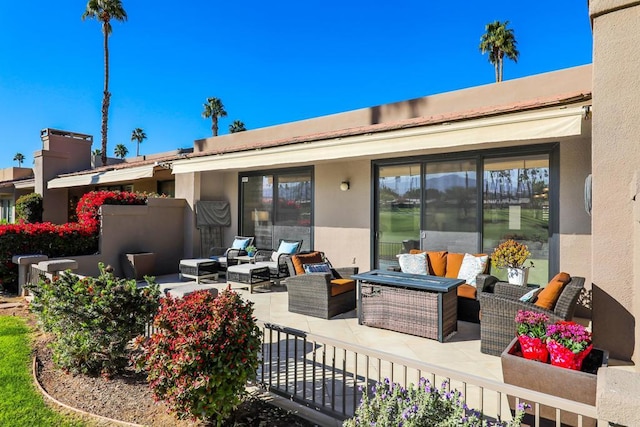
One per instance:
(277, 205)
(398, 193)
(516, 206)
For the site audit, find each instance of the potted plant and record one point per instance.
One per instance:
(532, 335)
(512, 255)
(568, 344)
(251, 250)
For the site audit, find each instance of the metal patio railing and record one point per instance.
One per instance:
(327, 375)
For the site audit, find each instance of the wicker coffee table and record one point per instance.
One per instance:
(414, 304)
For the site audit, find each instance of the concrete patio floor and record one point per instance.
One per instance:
(461, 352)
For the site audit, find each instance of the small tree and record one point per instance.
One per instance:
(205, 351)
(19, 157)
(138, 135)
(121, 151)
(499, 41)
(29, 208)
(237, 126)
(214, 109)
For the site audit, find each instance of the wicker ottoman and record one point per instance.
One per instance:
(248, 274)
(199, 268)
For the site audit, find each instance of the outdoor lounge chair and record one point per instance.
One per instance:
(319, 294)
(276, 259)
(227, 256)
(499, 309)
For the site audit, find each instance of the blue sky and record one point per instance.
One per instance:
(269, 62)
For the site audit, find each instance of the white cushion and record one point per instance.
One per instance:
(472, 266)
(413, 263)
(274, 256)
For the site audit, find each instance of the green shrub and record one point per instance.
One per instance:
(205, 351)
(93, 320)
(390, 405)
(29, 208)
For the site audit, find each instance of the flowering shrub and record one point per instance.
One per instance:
(93, 319)
(391, 405)
(510, 254)
(70, 239)
(205, 351)
(531, 323)
(570, 335)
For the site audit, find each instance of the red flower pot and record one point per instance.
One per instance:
(533, 348)
(565, 358)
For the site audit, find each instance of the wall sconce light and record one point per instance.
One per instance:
(344, 186)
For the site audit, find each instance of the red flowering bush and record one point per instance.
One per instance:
(204, 353)
(70, 239)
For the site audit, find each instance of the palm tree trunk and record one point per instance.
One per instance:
(105, 98)
(214, 125)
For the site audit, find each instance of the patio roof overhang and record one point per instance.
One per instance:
(102, 177)
(551, 123)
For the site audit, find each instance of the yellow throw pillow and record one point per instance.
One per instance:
(548, 297)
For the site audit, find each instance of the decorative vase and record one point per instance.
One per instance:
(251, 254)
(565, 358)
(533, 348)
(518, 276)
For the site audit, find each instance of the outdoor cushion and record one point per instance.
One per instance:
(240, 243)
(436, 261)
(413, 263)
(467, 291)
(300, 260)
(341, 286)
(472, 266)
(531, 295)
(288, 247)
(549, 295)
(321, 267)
(454, 262)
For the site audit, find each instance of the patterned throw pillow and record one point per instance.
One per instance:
(471, 267)
(321, 267)
(531, 295)
(413, 263)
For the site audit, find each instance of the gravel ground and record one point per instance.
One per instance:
(128, 398)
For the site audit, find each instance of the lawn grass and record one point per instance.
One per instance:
(20, 403)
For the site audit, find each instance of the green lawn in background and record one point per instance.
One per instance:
(20, 403)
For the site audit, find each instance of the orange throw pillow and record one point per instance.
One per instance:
(454, 262)
(301, 259)
(437, 263)
(467, 291)
(548, 297)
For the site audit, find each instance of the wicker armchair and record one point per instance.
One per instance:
(499, 309)
(311, 293)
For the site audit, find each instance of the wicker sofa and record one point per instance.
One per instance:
(499, 310)
(323, 295)
(447, 264)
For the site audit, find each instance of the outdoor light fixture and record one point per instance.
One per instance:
(344, 185)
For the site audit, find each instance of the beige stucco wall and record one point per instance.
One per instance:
(616, 180)
(575, 222)
(156, 227)
(343, 218)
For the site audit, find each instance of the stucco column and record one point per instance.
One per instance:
(188, 188)
(616, 177)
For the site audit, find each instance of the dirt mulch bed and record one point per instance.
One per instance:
(127, 397)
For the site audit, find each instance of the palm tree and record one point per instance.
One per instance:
(138, 135)
(214, 109)
(97, 152)
(237, 126)
(19, 157)
(499, 41)
(121, 151)
(104, 11)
